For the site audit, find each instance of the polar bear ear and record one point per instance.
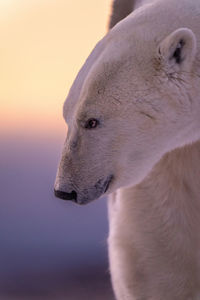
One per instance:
(177, 51)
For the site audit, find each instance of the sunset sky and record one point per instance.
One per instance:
(43, 45)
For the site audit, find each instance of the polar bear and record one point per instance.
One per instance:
(133, 116)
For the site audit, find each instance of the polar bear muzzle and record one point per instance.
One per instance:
(88, 195)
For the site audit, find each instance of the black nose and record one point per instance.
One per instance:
(66, 196)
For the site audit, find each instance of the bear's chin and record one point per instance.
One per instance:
(98, 190)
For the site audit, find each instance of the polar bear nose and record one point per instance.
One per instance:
(66, 196)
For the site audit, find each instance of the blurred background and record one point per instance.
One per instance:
(49, 248)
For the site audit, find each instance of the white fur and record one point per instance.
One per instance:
(148, 106)
(154, 242)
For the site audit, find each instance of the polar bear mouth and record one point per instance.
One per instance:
(108, 182)
(102, 185)
(99, 189)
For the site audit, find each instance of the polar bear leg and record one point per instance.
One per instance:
(121, 257)
(121, 275)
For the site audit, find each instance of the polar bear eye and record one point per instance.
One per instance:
(91, 123)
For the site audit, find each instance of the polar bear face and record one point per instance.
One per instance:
(131, 103)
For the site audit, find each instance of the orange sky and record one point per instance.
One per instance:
(43, 45)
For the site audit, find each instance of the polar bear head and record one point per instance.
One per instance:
(135, 99)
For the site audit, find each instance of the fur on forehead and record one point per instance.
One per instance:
(129, 47)
(101, 83)
(104, 61)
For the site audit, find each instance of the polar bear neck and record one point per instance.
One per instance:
(177, 172)
(159, 219)
(168, 197)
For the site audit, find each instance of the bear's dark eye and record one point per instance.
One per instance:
(91, 123)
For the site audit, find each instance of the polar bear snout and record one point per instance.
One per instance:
(86, 194)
